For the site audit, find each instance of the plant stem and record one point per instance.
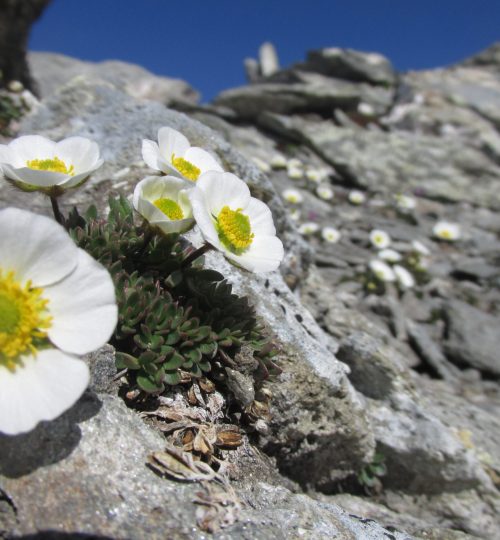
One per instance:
(196, 254)
(55, 209)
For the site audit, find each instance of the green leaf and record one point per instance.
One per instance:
(124, 360)
(149, 385)
(172, 378)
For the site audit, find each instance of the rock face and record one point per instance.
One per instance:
(51, 71)
(403, 375)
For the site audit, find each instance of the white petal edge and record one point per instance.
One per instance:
(171, 141)
(150, 154)
(83, 307)
(30, 147)
(35, 177)
(35, 247)
(261, 218)
(42, 389)
(81, 152)
(223, 189)
(202, 159)
(264, 255)
(203, 218)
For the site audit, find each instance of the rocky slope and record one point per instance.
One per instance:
(371, 371)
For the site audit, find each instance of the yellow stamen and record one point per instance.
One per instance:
(234, 230)
(24, 319)
(170, 208)
(52, 165)
(186, 168)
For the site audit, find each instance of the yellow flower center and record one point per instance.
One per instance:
(170, 208)
(52, 165)
(186, 168)
(445, 234)
(24, 319)
(234, 230)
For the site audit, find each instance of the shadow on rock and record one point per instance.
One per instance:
(48, 443)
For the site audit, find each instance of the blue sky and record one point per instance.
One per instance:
(205, 41)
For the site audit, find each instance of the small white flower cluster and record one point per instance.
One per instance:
(447, 231)
(56, 302)
(356, 197)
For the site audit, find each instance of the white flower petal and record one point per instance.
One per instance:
(171, 141)
(34, 177)
(150, 154)
(36, 248)
(73, 181)
(203, 217)
(261, 219)
(80, 152)
(41, 389)
(223, 189)
(83, 307)
(264, 255)
(30, 147)
(5, 154)
(202, 159)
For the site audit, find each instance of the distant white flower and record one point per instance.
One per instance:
(330, 234)
(403, 202)
(261, 164)
(421, 248)
(389, 255)
(174, 155)
(317, 175)
(380, 239)
(278, 161)
(295, 163)
(405, 279)
(294, 214)
(295, 173)
(292, 196)
(308, 228)
(381, 270)
(164, 203)
(365, 109)
(235, 223)
(35, 163)
(444, 230)
(356, 197)
(325, 192)
(56, 302)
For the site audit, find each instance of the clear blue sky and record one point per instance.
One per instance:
(205, 41)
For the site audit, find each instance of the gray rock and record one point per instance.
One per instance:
(301, 91)
(472, 337)
(434, 167)
(53, 71)
(490, 57)
(351, 65)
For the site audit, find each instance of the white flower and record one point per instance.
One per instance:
(330, 234)
(34, 163)
(325, 192)
(295, 173)
(365, 109)
(380, 239)
(308, 228)
(390, 255)
(56, 302)
(381, 270)
(261, 164)
(405, 279)
(316, 175)
(295, 163)
(164, 203)
(404, 202)
(356, 197)
(292, 196)
(421, 248)
(444, 230)
(174, 155)
(294, 214)
(278, 161)
(235, 223)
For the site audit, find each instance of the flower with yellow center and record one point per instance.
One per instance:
(444, 230)
(330, 235)
(163, 202)
(356, 197)
(173, 155)
(380, 239)
(235, 223)
(34, 163)
(293, 196)
(56, 302)
(382, 271)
